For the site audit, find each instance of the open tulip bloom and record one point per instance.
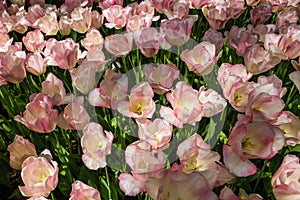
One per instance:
(151, 99)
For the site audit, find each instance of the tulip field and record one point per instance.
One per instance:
(152, 99)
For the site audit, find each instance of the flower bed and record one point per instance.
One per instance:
(180, 99)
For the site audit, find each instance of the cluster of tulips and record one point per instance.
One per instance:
(263, 127)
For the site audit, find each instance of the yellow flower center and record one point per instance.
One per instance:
(247, 144)
(191, 164)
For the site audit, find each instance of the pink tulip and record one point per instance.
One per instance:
(195, 154)
(96, 144)
(201, 59)
(140, 104)
(64, 54)
(117, 16)
(261, 30)
(53, 87)
(239, 95)
(229, 75)
(265, 103)
(81, 191)
(113, 88)
(212, 102)
(278, 4)
(81, 19)
(240, 39)
(83, 77)
(157, 133)
(186, 105)
(17, 19)
(39, 115)
(93, 38)
(218, 13)
(291, 129)
(176, 9)
(131, 185)
(70, 5)
(142, 17)
(5, 42)
(35, 64)
(258, 60)
(177, 31)
(261, 13)
(97, 19)
(48, 24)
(12, 65)
(34, 13)
(285, 46)
(286, 18)
(142, 159)
(285, 181)
(174, 184)
(40, 175)
(214, 37)
(161, 78)
(250, 140)
(33, 40)
(148, 41)
(74, 116)
(119, 44)
(19, 150)
(64, 25)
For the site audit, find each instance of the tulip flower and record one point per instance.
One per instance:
(81, 19)
(285, 181)
(39, 115)
(12, 65)
(148, 41)
(119, 44)
(251, 140)
(174, 184)
(40, 175)
(261, 13)
(201, 59)
(35, 64)
(19, 150)
(177, 31)
(53, 87)
(112, 89)
(186, 105)
(131, 185)
(161, 78)
(140, 104)
(157, 133)
(74, 116)
(142, 159)
(214, 37)
(93, 38)
(33, 40)
(96, 144)
(64, 54)
(81, 191)
(116, 16)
